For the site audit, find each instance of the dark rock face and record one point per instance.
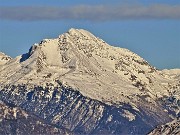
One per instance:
(64, 108)
(27, 55)
(172, 105)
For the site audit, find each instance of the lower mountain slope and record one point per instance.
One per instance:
(172, 128)
(64, 107)
(16, 121)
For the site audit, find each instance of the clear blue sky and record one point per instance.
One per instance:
(150, 28)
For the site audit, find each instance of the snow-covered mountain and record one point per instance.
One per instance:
(112, 84)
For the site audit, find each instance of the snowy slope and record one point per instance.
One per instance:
(173, 73)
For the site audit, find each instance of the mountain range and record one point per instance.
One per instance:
(79, 84)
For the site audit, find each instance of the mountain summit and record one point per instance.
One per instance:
(106, 75)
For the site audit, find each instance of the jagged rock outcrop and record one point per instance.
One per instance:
(4, 58)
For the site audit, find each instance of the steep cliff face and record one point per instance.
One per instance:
(79, 82)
